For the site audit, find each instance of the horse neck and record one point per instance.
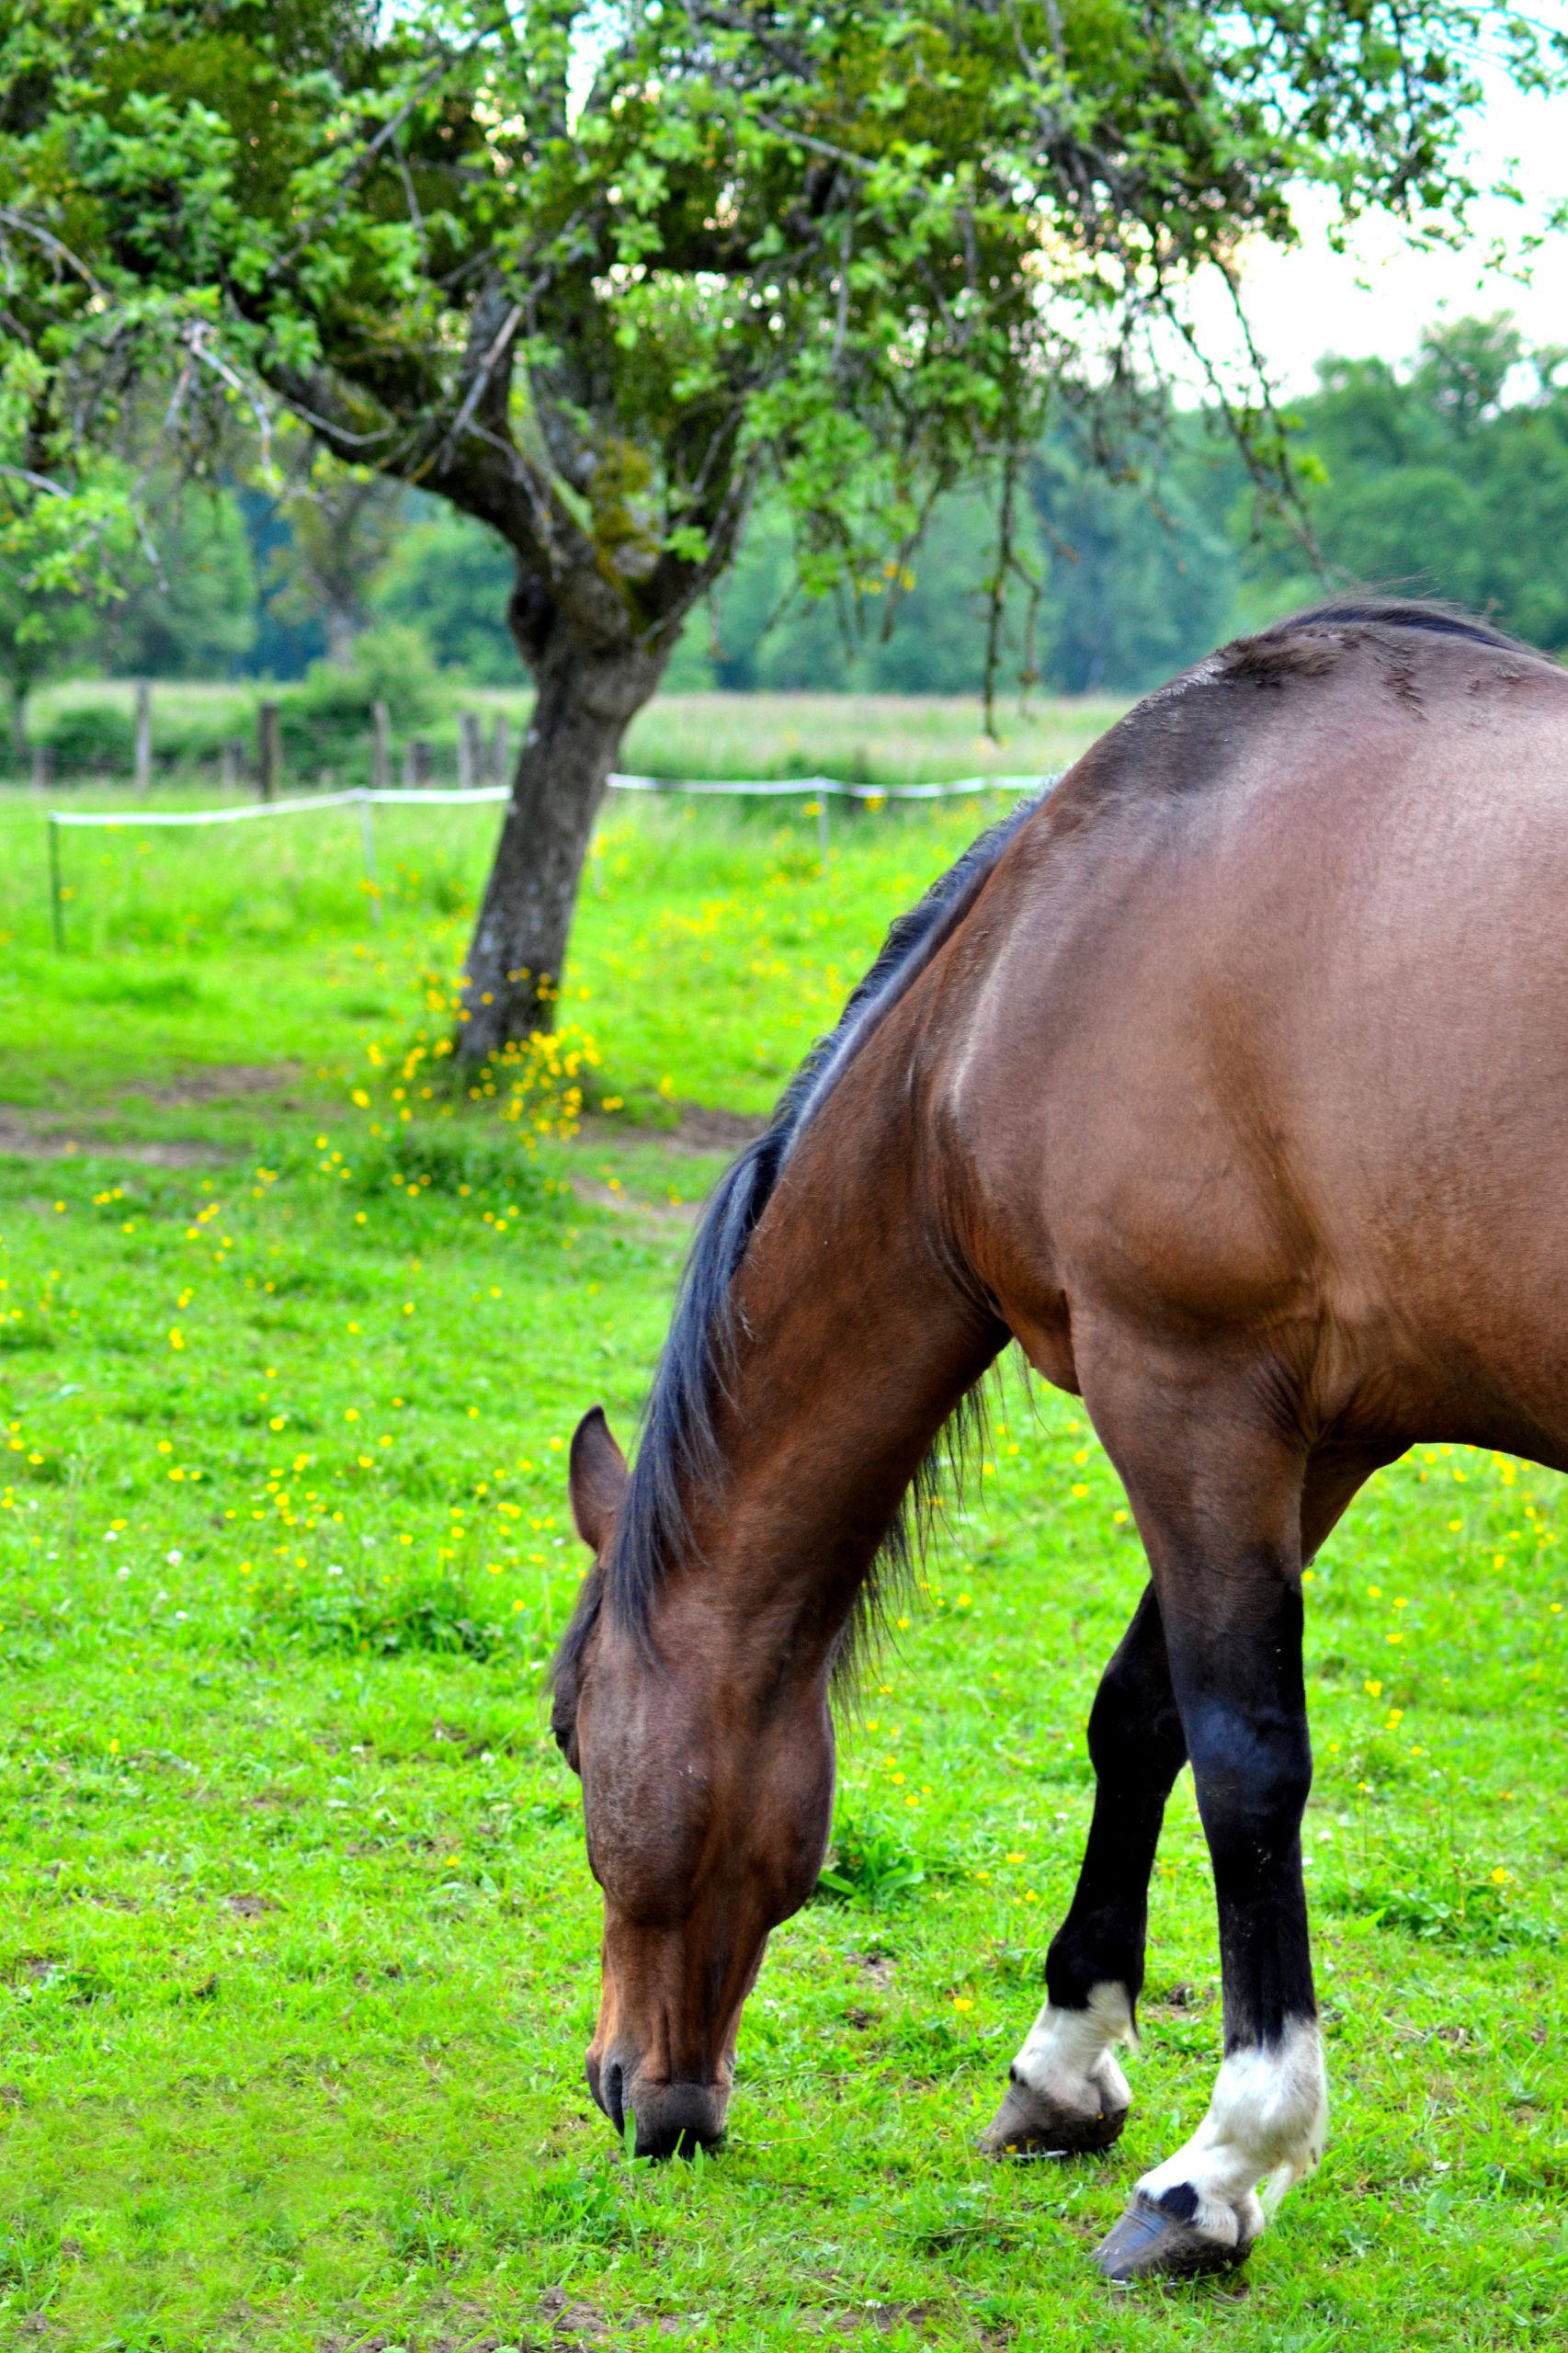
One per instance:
(856, 1339)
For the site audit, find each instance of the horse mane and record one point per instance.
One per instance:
(1365, 608)
(678, 1449)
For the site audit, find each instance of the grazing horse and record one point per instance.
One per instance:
(1231, 1079)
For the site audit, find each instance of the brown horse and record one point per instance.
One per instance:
(1231, 1079)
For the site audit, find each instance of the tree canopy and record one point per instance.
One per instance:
(1446, 476)
(592, 273)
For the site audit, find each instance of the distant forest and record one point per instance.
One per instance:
(1448, 475)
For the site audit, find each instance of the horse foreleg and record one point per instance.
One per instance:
(1065, 2091)
(1218, 1497)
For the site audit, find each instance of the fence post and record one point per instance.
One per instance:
(230, 763)
(822, 817)
(268, 750)
(143, 734)
(56, 897)
(413, 753)
(368, 843)
(500, 750)
(380, 747)
(470, 755)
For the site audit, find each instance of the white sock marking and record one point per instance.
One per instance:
(1267, 2123)
(1066, 2056)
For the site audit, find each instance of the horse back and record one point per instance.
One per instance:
(1259, 1031)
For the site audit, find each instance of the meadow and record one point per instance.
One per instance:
(298, 1952)
(861, 739)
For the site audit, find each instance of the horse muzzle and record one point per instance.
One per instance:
(671, 2119)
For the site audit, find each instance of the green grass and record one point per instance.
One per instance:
(298, 1945)
(871, 739)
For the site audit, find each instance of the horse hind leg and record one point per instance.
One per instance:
(1066, 2094)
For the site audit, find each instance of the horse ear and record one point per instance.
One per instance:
(597, 1479)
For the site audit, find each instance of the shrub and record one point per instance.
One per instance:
(90, 738)
(542, 1084)
(326, 719)
(100, 738)
(194, 735)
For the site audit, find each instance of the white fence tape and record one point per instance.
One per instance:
(393, 797)
(814, 787)
(819, 789)
(358, 798)
(201, 816)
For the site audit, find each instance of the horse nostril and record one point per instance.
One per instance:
(681, 2117)
(612, 2096)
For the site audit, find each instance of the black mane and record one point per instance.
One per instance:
(678, 1449)
(1364, 608)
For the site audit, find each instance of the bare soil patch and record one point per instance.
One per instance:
(682, 1213)
(26, 1135)
(704, 1126)
(699, 1127)
(228, 1083)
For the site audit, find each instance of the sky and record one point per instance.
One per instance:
(1376, 300)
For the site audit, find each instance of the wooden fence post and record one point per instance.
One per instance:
(380, 747)
(470, 755)
(500, 750)
(143, 734)
(269, 751)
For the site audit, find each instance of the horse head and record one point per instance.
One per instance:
(707, 1797)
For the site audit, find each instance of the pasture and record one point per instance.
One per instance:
(298, 1953)
(862, 739)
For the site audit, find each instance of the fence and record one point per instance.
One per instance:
(102, 739)
(365, 799)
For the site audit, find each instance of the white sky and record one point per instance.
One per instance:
(1376, 300)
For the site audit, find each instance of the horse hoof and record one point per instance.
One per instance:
(1149, 2243)
(1026, 2125)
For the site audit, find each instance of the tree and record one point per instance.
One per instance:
(343, 524)
(1138, 572)
(1131, 579)
(590, 273)
(451, 578)
(1448, 476)
(187, 608)
(39, 635)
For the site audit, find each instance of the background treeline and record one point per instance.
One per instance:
(1448, 475)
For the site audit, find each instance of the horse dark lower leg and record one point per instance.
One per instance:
(1219, 1502)
(1065, 2091)
(1066, 2094)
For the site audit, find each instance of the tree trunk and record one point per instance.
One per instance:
(341, 624)
(586, 698)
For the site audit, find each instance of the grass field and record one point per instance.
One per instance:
(860, 739)
(298, 1947)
